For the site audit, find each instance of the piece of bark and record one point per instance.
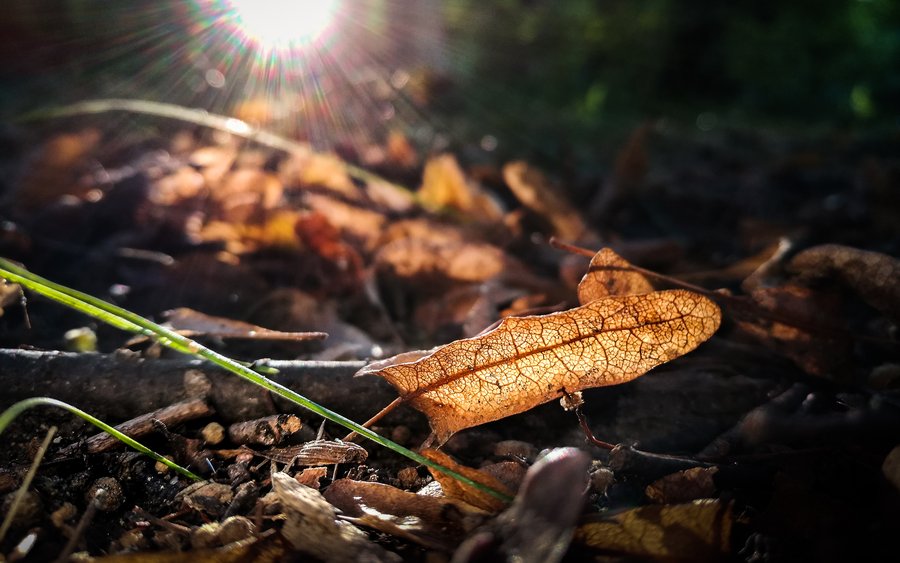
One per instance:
(117, 386)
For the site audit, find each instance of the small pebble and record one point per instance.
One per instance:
(213, 433)
(408, 477)
(890, 468)
(601, 479)
(106, 493)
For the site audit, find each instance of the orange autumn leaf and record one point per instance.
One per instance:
(528, 361)
(458, 490)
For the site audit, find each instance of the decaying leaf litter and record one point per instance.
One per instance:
(776, 433)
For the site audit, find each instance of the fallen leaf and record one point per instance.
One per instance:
(427, 520)
(801, 338)
(458, 490)
(872, 275)
(528, 361)
(312, 477)
(609, 274)
(365, 224)
(322, 238)
(247, 196)
(55, 169)
(535, 192)
(683, 486)
(10, 294)
(699, 531)
(311, 525)
(308, 168)
(444, 186)
(191, 323)
(429, 262)
(277, 230)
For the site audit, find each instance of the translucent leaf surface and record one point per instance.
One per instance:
(527, 361)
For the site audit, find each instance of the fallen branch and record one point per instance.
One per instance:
(120, 385)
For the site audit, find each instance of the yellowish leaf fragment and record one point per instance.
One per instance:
(444, 185)
(697, 531)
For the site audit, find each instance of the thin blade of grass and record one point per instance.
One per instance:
(122, 318)
(7, 416)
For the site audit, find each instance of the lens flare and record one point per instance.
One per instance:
(283, 24)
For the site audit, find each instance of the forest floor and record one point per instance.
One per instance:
(777, 439)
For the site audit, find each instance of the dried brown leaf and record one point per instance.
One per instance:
(365, 224)
(458, 490)
(427, 261)
(528, 361)
(191, 322)
(872, 275)
(311, 525)
(536, 193)
(423, 519)
(278, 230)
(609, 274)
(699, 531)
(10, 293)
(800, 338)
(55, 169)
(308, 168)
(247, 195)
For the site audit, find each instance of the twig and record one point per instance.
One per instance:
(141, 425)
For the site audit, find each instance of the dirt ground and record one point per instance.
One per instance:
(777, 439)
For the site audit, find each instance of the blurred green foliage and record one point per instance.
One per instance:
(579, 61)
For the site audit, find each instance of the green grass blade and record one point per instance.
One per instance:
(127, 320)
(7, 416)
